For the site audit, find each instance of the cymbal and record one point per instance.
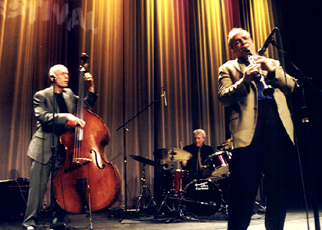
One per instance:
(175, 154)
(144, 160)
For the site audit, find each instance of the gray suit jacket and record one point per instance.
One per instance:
(243, 100)
(41, 142)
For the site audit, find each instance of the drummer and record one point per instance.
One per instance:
(200, 153)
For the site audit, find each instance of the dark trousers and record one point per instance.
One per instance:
(267, 154)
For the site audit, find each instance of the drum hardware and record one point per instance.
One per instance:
(175, 194)
(199, 198)
(145, 198)
(178, 209)
(212, 206)
(171, 192)
(226, 145)
(173, 155)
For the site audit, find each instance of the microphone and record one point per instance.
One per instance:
(165, 97)
(262, 50)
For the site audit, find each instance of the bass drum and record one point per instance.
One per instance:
(202, 197)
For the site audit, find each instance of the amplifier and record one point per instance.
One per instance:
(13, 198)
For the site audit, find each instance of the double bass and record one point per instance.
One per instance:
(87, 181)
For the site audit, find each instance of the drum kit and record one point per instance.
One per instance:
(198, 197)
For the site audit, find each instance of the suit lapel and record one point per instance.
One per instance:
(240, 67)
(50, 97)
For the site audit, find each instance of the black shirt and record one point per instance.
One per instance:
(61, 104)
(62, 108)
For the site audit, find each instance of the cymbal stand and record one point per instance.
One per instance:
(171, 192)
(224, 207)
(180, 213)
(142, 203)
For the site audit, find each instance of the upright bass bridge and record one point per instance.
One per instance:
(82, 161)
(77, 163)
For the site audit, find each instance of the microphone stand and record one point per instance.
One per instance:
(53, 156)
(125, 129)
(306, 80)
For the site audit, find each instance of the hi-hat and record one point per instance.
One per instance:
(173, 154)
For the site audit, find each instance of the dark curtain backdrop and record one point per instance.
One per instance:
(137, 49)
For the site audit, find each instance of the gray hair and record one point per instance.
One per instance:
(232, 33)
(54, 68)
(200, 131)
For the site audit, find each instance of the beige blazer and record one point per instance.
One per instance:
(243, 101)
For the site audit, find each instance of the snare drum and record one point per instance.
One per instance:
(177, 182)
(219, 163)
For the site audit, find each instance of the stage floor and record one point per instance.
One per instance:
(295, 220)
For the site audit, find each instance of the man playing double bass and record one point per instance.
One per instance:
(40, 148)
